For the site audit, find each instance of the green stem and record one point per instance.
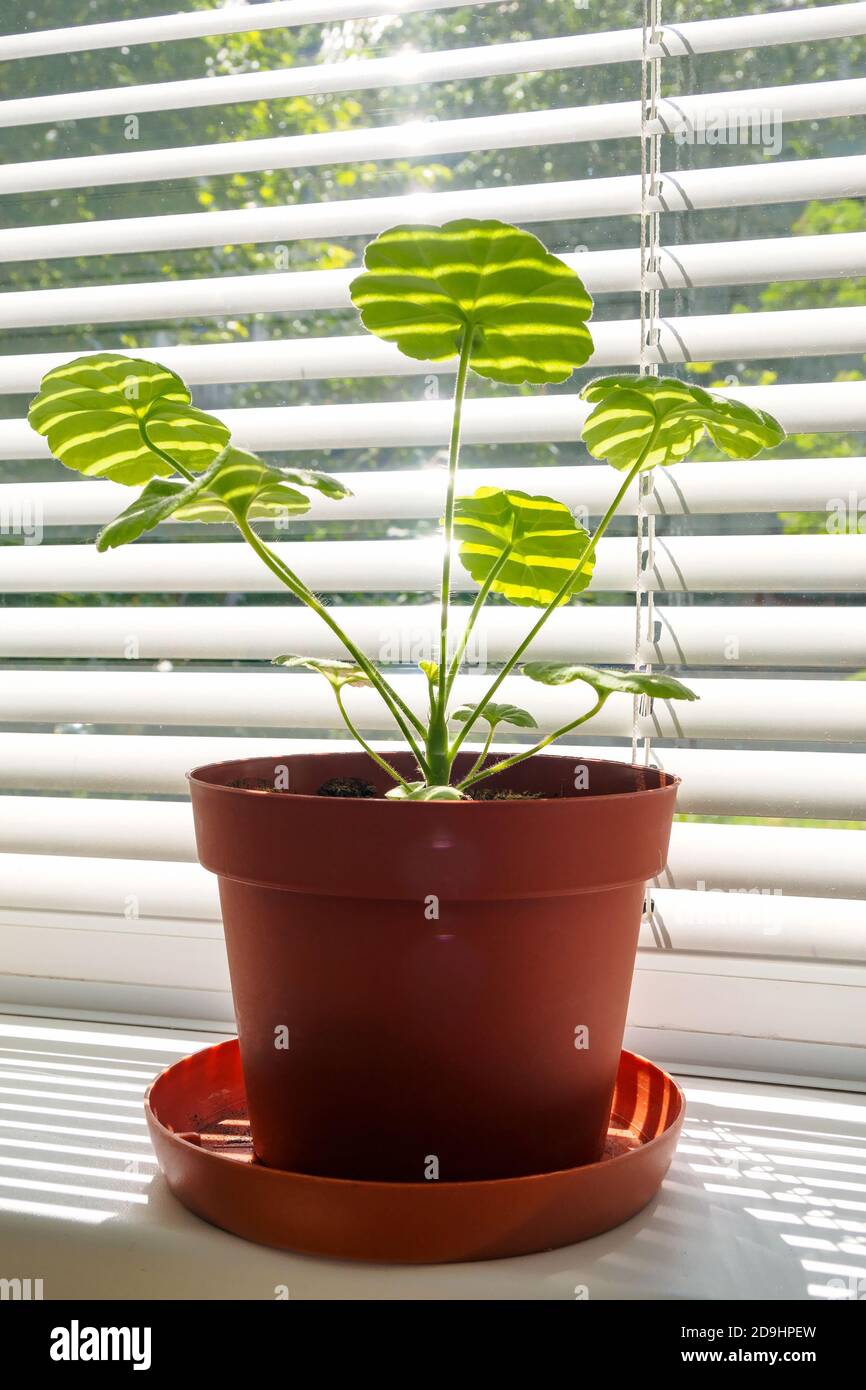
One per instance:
(586, 554)
(172, 463)
(300, 590)
(386, 767)
(480, 599)
(431, 695)
(296, 586)
(479, 761)
(474, 776)
(438, 742)
(448, 522)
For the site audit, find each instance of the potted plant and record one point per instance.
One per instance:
(430, 952)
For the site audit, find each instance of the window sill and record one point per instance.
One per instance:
(760, 1202)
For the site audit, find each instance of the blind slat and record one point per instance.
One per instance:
(732, 486)
(722, 564)
(712, 337)
(803, 408)
(747, 185)
(702, 36)
(820, 711)
(105, 887)
(734, 636)
(225, 19)
(712, 263)
(425, 139)
(753, 923)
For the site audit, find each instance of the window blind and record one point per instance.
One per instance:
(197, 189)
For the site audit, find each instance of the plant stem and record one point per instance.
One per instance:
(386, 767)
(448, 521)
(300, 590)
(398, 708)
(480, 599)
(438, 752)
(474, 776)
(586, 554)
(431, 694)
(479, 761)
(172, 463)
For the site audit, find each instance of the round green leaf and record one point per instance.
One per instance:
(494, 714)
(337, 673)
(246, 489)
(668, 418)
(159, 500)
(609, 682)
(238, 486)
(103, 414)
(542, 541)
(425, 287)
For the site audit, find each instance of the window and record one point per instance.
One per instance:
(198, 188)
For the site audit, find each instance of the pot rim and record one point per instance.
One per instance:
(667, 780)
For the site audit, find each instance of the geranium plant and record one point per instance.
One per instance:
(491, 296)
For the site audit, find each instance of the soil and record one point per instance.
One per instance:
(489, 794)
(357, 787)
(346, 786)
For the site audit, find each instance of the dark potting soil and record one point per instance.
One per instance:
(489, 794)
(252, 784)
(354, 787)
(346, 786)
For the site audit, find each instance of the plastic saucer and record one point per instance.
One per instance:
(196, 1114)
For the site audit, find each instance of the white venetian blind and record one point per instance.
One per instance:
(197, 188)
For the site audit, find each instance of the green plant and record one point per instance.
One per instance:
(491, 296)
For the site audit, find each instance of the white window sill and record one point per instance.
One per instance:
(764, 1199)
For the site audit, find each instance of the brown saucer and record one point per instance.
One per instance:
(196, 1114)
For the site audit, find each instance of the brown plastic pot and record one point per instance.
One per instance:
(451, 978)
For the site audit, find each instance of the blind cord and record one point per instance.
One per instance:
(650, 151)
